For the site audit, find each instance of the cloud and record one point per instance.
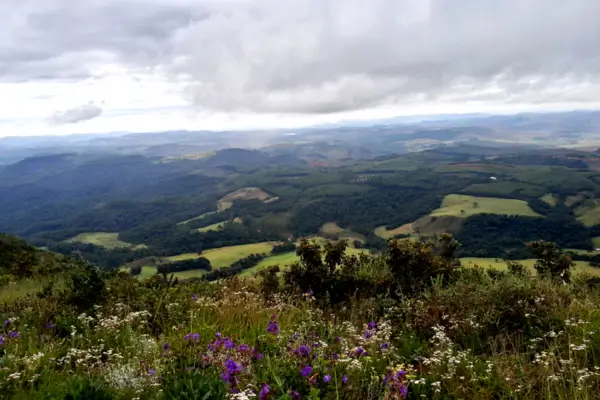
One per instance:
(316, 56)
(84, 112)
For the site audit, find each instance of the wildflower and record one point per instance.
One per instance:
(1, 340)
(372, 325)
(151, 372)
(50, 325)
(192, 337)
(194, 297)
(218, 335)
(385, 346)
(229, 344)
(256, 355)
(6, 323)
(295, 395)
(14, 334)
(306, 371)
(345, 379)
(166, 346)
(232, 366)
(403, 391)
(360, 352)
(273, 327)
(326, 378)
(338, 339)
(243, 347)
(302, 351)
(264, 391)
(368, 334)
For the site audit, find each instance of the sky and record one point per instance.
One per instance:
(85, 66)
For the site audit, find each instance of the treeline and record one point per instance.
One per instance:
(241, 265)
(502, 236)
(201, 263)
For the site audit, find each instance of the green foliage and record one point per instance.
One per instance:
(84, 285)
(552, 262)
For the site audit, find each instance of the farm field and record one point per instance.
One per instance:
(197, 218)
(249, 193)
(384, 233)
(225, 256)
(104, 239)
(213, 227)
(549, 199)
(464, 206)
(588, 213)
(580, 266)
(333, 229)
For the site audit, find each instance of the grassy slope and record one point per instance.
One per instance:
(454, 203)
(549, 199)
(588, 213)
(225, 256)
(213, 227)
(197, 218)
(105, 239)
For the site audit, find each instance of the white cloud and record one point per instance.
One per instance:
(200, 64)
(84, 112)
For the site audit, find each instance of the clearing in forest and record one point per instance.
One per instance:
(218, 226)
(197, 218)
(109, 240)
(332, 229)
(249, 193)
(588, 213)
(549, 199)
(463, 206)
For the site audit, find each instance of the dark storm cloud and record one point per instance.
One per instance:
(84, 112)
(318, 56)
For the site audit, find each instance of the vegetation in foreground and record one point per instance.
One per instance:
(408, 323)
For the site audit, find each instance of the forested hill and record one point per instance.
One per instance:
(119, 209)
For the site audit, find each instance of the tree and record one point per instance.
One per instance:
(552, 262)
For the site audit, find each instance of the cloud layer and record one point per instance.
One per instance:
(314, 56)
(84, 112)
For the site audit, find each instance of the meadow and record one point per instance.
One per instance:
(105, 239)
(405, 324)
(458, 205)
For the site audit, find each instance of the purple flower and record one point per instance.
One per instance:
(166, 346)
(1, 340)
(218, 335)
(345, 379)
(403, 391)
(360, 351)
(372, 325)
(229, 344)
(302, 351)
(338, 339)
(326, 378)
(273, 327)
(243, 347)
(400, 374)
(192, 337)
(151, 372)
(385, 345)
(232, 366)
(335, 356)
(295, 395)
(310, 292)
(13, 334)
(306, 371)
(368, 334)
(50, 325)
(264, 391)
(256, 355)
(194, 297)
(6, 323)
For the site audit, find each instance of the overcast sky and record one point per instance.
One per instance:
(75, 66)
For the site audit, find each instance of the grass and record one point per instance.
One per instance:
(549, 199)
(596, 242)
(225, 256)
(104, 239)
(476, 167)
(249, 193)
(332, 229)
(385, 233)
(213, 227)
(197, 218)
(464, 206)
(580, 266)
(588, 213)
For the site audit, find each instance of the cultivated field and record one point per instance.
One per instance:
(249, 193)
(104, 239)
(588, 213)
(549, 199)
(464, 206)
